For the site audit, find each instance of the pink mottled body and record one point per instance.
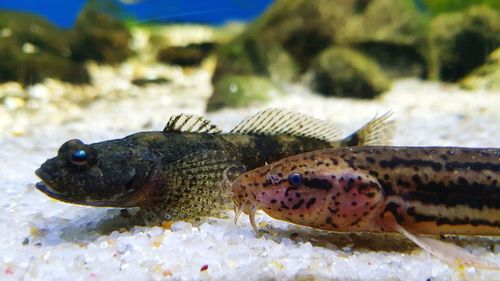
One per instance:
(350, 204)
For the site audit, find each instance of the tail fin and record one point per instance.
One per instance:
(448, 252)
(379, 131)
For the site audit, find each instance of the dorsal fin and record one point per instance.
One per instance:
(190, 123)
(281, 121)
(378, 131)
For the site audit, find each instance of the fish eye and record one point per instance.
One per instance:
(79, 157)
(295, 179)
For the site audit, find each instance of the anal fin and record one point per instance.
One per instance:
(448, 252)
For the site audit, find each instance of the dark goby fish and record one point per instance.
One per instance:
(177, 173)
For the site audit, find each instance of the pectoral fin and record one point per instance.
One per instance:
(194, 186)
(448, 252)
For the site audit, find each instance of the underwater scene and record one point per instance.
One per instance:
(250, 140)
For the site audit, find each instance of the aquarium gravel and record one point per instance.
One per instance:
(43, 239)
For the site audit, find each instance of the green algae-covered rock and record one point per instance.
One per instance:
(461, 41)
(393, 33)
(487, 76)
(32, 49)
(347, 73)
(241, 91)
(100, 37)
(189, 55)
(299, 30)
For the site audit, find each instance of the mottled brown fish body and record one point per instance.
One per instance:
(427, 190)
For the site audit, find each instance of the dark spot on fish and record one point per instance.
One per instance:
(386, 177)
(370, 160)
(373, 173)
(394, 209)
(355, 222)
(298, 204)
(354, 203)
(310, 202)
(330, 222)
(335, 161)
(297, 194)
(349, 185)
(273, 201)
(333, 211)
(444, 157)
(316, 183)
(396, 161)
(416, 179)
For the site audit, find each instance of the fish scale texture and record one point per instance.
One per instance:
(43, 239)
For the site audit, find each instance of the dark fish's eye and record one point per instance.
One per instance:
(79, 157)
(295, 179)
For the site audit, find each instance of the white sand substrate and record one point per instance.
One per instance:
(43, 239)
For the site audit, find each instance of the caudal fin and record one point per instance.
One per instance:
(379, 131)
(448, 252)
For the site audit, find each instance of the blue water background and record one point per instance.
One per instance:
(63, 13)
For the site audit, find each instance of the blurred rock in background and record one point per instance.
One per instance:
(345, 48)
(32, 49)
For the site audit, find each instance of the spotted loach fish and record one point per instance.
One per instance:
(177, 173)
(410, 190)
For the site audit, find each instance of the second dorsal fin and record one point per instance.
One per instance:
(190, 123)
(281, 121)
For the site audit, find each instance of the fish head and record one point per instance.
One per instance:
(310, 189)
(279, 185)
(108, 174)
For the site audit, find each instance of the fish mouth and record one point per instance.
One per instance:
(44, 187)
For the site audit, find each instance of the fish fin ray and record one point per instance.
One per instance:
(190, 123)
(196, 184)
(274, 121)
(378, 131)
(447, 252)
